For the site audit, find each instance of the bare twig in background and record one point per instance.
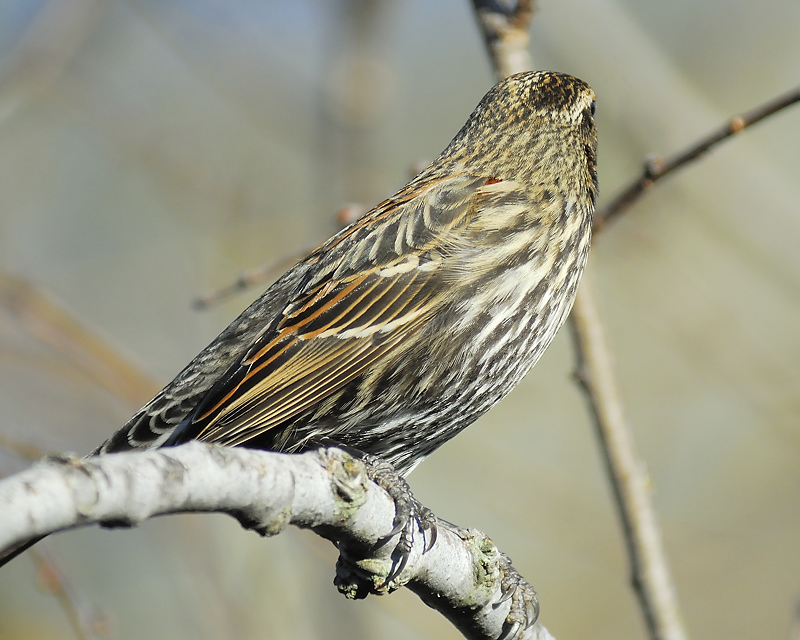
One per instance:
(43, 319)
(259, 275)
(504, 26)
(631, 485)
(87, 622)
(461, 574)
(656, 168)
(249, 278)
(54, 326)
(514, 23)
(794, 629)
(630, 481)
(651, 577)
(23, 449)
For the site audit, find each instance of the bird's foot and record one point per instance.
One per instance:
(409, 513)
(524, 609)
(356, 578)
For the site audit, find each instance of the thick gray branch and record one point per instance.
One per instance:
(463, 575)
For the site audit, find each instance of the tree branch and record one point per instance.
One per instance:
(794, 631)
(250, 278)
(656, 168)
(649, 568)
(49, 322)
(462, 575)
(504, 26)
(629, 479)
(87, 621)
(506, 38)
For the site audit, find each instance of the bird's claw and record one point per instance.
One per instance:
(410, 514)
(357, 577)
(524, 609)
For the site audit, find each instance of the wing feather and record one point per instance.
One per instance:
(335, 340)
(323, 324)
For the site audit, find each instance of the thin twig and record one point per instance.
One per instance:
(656, 168)
(50, 323)
(23, 449)
(346, 215)
(504, 25)
(248, 279)
(631, 485)
(651, 577)
(87, 622)
(630, 481)
(794, 629)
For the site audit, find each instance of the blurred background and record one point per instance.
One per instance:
(151, 150)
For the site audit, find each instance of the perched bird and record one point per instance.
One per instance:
(409, 324)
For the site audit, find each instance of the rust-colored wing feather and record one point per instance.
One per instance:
(320, 326)
(320, 346)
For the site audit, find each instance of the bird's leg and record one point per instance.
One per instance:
(409, 513)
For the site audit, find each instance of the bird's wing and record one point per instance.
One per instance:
(361, 295)
(320, 345)
(384, 285)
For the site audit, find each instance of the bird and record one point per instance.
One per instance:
(409, 324)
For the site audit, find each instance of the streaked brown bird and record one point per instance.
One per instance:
(406, 326)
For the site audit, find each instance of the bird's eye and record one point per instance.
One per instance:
(592, 108)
